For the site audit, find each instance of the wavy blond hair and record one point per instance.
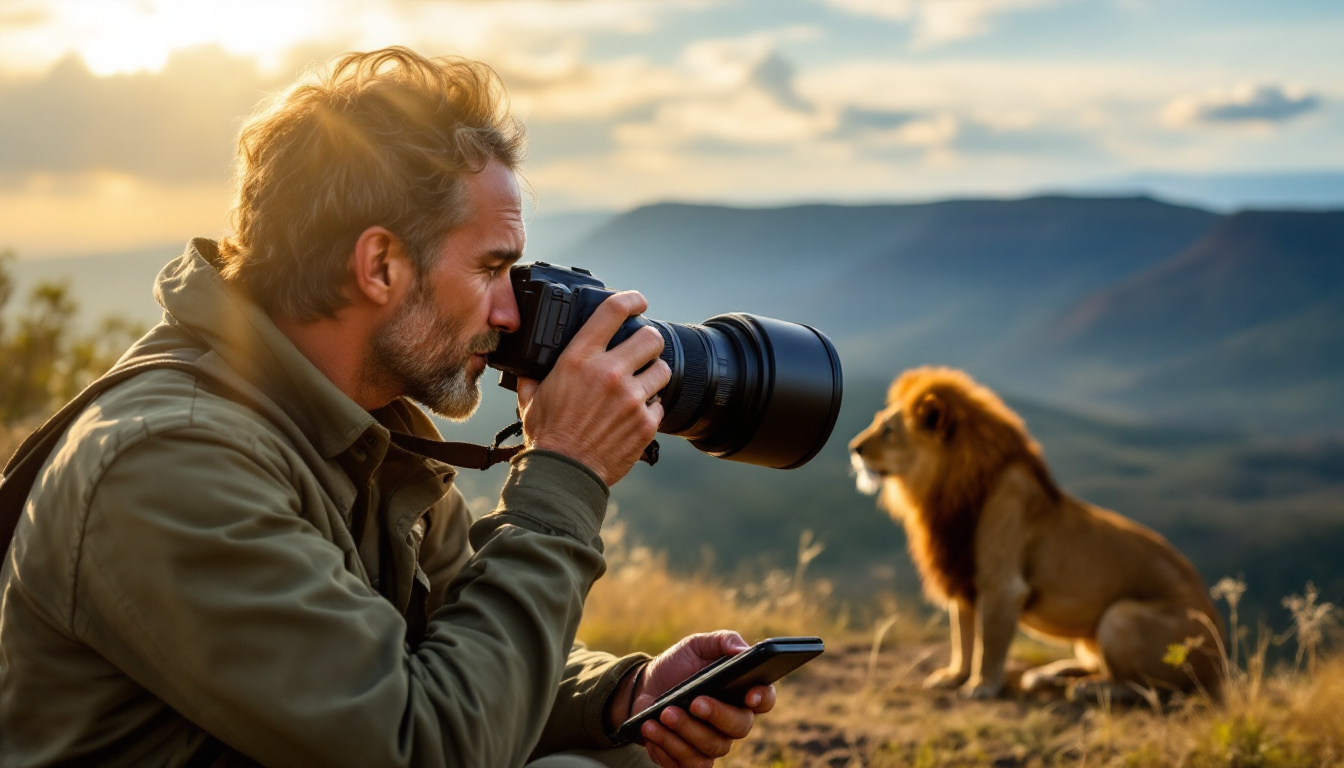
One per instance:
(381, 138)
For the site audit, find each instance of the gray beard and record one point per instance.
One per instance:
(425, 357)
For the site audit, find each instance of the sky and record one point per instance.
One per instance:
(118, 119)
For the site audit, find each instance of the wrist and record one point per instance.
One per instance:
(621, 704)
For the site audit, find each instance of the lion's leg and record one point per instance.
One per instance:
(997, 611)
(961, 617)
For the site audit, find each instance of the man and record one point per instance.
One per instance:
(239, 564)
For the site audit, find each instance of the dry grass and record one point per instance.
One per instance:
(641, 606)
(861, 705)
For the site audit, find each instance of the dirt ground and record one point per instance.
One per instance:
(849, 709)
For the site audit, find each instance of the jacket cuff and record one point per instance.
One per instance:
(551, 493)
(601, 691)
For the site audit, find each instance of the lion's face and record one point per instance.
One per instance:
(904, 443)
(882, 450)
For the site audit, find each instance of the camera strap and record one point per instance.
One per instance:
(472, 456)
(465, 455)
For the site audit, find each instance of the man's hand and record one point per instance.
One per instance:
(593, 407)
(707, 732)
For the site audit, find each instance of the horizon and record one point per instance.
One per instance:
(541, 216)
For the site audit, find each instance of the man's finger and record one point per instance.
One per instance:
(671, 741)
(724, 642)
(735, 722)
(654, 378)
(643, 347)
(596, 333)
(527, 389)
(761, 699)
(702, 736)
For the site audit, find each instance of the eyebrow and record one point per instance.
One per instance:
(507, 257)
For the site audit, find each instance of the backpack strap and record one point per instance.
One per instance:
(21, 472)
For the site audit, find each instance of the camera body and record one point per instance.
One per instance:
(553, 303)
(743, 387)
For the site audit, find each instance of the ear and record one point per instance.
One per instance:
(931, 413)
(380, 270)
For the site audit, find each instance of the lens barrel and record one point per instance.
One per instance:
(750, 388)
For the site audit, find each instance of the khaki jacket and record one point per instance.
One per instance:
(189, 572)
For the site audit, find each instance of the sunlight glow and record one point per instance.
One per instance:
(114, 36)
(123, 36)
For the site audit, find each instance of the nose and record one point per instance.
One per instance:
(504, 315)
(856, 448)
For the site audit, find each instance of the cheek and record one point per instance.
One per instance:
(896, 456)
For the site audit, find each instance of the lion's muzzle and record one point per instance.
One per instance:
(868, 481)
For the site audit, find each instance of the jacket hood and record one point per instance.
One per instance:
(198, 301)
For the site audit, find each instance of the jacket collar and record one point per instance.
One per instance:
(193, 293)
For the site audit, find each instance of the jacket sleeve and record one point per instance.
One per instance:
(199, 577)
(446, 546)
(578, 719)
(590, 678)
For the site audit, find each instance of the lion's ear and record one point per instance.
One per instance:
(931, 413)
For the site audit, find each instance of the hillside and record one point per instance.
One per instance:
(1248, 322)
(1253, 267)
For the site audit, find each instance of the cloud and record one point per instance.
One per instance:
(774, 76)
(860, 121)
(178, 125)
(936, 22)
(717, 94)
(1263, 104)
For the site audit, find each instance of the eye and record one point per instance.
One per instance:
(887, 429)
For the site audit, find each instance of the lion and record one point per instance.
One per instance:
(1000, 545)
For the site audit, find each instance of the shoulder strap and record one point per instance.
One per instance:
(21, 471)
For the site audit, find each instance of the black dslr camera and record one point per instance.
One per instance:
(743, 387)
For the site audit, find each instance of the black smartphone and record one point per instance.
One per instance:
(729, 678)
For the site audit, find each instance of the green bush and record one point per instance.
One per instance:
(44, 358)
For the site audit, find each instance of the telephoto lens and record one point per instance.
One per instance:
(744, 387)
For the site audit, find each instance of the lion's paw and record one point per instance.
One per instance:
(946, 679)
(1034, 680)
(973, 690)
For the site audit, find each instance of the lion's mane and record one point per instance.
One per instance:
(977, 438)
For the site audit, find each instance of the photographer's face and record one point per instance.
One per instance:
(435, 345)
